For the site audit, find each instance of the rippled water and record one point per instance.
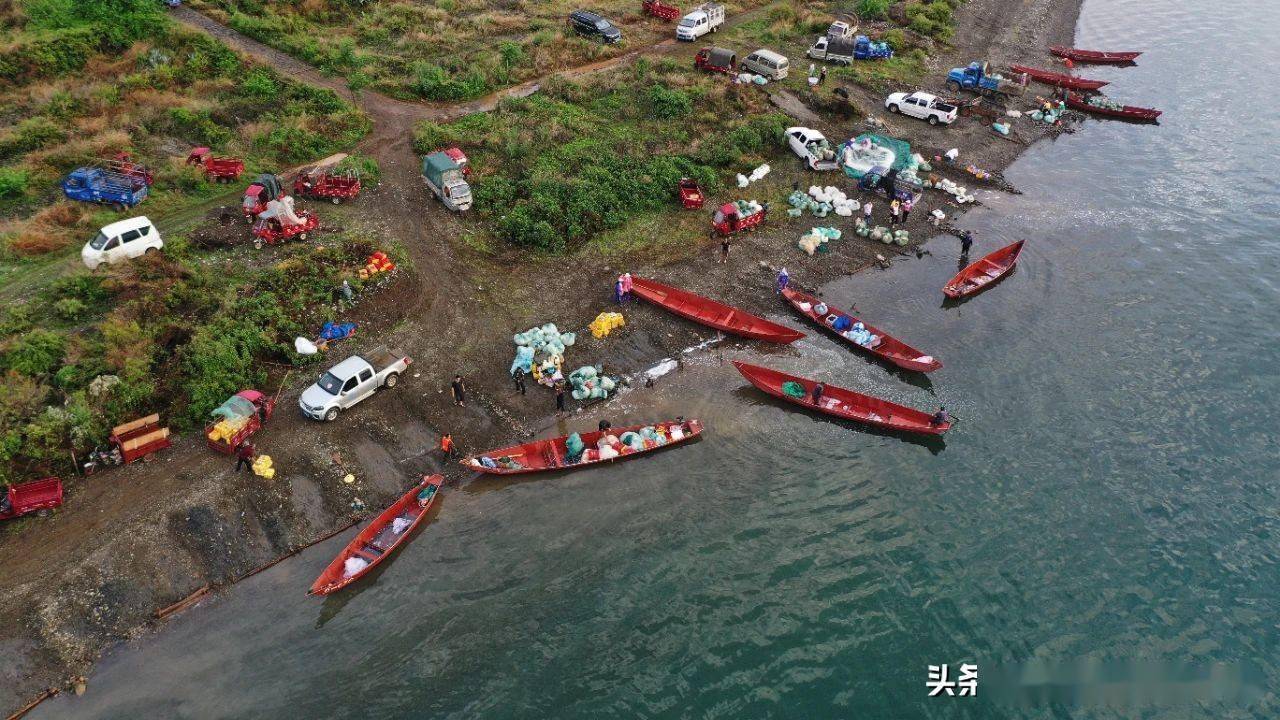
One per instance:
(1110, 492)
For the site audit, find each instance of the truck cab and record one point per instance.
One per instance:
(706, 18)
(976, 77)
(836, 50)
(922, 105)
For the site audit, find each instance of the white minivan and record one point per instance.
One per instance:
(767, 63)
(120, 241)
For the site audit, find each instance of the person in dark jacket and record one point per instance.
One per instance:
(818, 389)
(518, 377)
(560, 397)
(459, 391)
(244, 456)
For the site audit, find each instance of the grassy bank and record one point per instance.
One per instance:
(557, 169)
(81, 352)
(438, 49)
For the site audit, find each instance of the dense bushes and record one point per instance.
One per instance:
(874, 9)
(560, 167)
(932, 18)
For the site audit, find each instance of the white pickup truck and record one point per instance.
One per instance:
(351, 381)
(705, 18)
(813, 148)
(923, 106)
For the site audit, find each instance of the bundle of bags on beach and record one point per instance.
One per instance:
(757, 174)
(546, 340)
(605, 323)
(816, 239)
(589, 383)
(262, 467)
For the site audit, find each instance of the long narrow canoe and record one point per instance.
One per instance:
(886, 347)
(1097, 57)
(713, 314)
(984, 272)
(1057, 79)
(1125, 112)
(842, 403)
(551, 454)
(377, 541)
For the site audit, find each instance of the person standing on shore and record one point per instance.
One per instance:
(626, 287)
(783, 279)
(906, 208)
(894, 208)
(617, 290)
(866, 212)
(447, 447)
(244, 456)
(724, 249)
(822, 75)
(559, 398)
(459, 391)
(966, 242)
(518, 377)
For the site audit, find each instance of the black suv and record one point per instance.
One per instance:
(592, 25)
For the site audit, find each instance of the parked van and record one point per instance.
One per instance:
(767, 63)
(590, 24)
(121, 241)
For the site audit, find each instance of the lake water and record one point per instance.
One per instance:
(1107, 504)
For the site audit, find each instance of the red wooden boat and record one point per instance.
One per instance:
(986, 271)
(1058, 79)
(550, 454)
(886, 347)
(713, 314)
(1096, 57)
(843, 403)
(374, 543)
(1125, 112)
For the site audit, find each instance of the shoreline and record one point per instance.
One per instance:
(185, 522)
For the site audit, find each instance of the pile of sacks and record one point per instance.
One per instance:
(1102, 101)
(605, 323)
(610, 446)
(959, 192)
(917, 163)
(822, 201)
(856, 332)
(747, 208)
(757, 174)
(747, 78)
(546, 340)
(353, 565)
(881, 233)
(816, 239)
(589, 383)
(224, 430)
(377, 263)
(262, 467)
(506, 462)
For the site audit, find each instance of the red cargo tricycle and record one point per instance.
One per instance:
(729, 220)
(326, 185)
(217, 168)
(690, 193)
(659, 9)
(242, 415)
(271, 231)
(264, 189)
(714, 59)
(123, 164)
(43, 494)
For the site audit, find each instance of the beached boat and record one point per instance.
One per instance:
(885, 347)
(1096, 57)
(984, 272)
(373, 544)
(840, 402)
(552, 454)
(1057, 79)
(1124, 112)
(713, 314)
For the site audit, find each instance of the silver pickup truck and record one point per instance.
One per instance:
(351, 381)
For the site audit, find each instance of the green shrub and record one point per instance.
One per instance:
(13, 182)
(38, 352)
(199, 126)
(669, 104)
(365, 166)
(896, 38)
(30, 134)
(69, 308)
(874, 9)
(433, 82)
(259, 84)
